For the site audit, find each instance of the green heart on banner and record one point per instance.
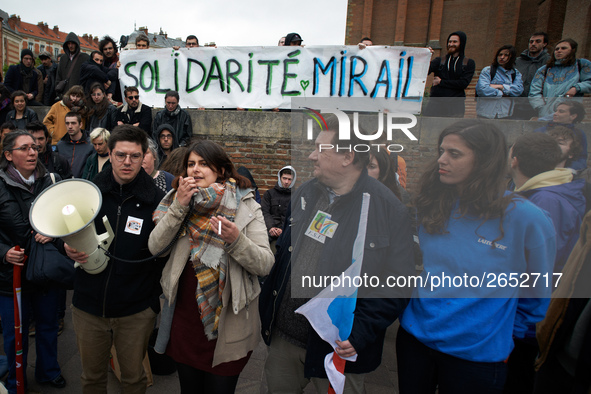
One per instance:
(304, 84)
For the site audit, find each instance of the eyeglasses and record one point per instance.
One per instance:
(134, 157)
(100, 94)
(26, 148)
(133, 97)
(166, 136)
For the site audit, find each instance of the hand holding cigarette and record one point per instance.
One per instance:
(226, 230)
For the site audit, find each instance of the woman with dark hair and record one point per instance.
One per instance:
(101, 113)
(456, 336)
(383, 168)
(210, 322)
(55, 120)
(563, 76)
(22, 179)
(501, 79)
(20, 115)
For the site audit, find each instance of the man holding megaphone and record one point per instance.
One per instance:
(118, 306)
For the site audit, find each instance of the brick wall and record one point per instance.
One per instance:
(264, 142)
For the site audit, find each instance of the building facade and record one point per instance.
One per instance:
(17, 35)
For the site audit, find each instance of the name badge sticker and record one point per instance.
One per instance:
(321, 227)
(134, 225)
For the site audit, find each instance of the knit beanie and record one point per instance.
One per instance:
(26, 52)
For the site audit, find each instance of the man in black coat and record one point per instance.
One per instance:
(24, 76)
(118, 306)
(453, 74)
(334, 200)
(48, 70)
(72, 59)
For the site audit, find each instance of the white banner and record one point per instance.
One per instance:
(268, 77)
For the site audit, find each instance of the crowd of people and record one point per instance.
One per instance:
(195, 243)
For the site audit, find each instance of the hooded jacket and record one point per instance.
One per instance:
(275, 201)
(161, 155)
(123, 289)
(181, 122)
(556, 193)
(455, 72)
(76, 62)
(142, 115)
(76, 152)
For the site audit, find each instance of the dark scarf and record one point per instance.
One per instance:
(16, 176)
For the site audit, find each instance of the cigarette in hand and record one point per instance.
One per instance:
(219, 227)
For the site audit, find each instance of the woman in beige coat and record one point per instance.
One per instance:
(210, 322)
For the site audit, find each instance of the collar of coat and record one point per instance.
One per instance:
(142, 187)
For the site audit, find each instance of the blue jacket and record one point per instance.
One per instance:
(577, 163)
(388, 251)
(478, 322)
(492, 103)
(546, 93)
(566, 206)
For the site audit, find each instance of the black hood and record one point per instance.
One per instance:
(71, 37)
(463, 39)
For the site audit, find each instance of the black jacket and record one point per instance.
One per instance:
(179, 120)
(123, 289)
(388, 251)
(90, 72)
(455, 73)
(15, 228)
(54, 162)
(274, 205)
(142, 115)
(28, 117)
(65, 62)
(49, 86)
(108, 121)
(17, 78)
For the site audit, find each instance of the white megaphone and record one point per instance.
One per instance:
(67, 210)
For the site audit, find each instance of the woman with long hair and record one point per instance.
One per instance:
(21, 115)
(456, 336)
(564, 76)
(210, 321)
(101, 113)
(22, 179)
(496, 83)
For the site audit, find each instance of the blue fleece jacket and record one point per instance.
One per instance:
(566, 206)
(481, 328)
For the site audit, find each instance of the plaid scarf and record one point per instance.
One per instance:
(209, 259)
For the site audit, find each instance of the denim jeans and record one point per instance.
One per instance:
(44, 306)
(422, 369)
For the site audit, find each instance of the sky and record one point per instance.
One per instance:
(227, 23)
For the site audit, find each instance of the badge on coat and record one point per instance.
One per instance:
(321, 227)
(134, 225)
